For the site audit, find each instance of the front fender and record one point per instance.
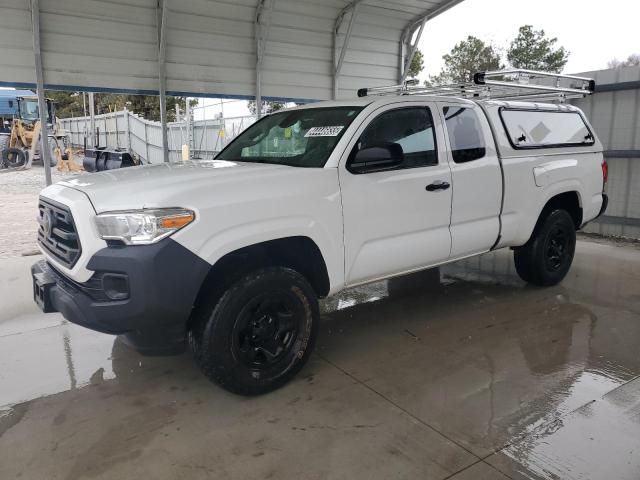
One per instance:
(213, 247)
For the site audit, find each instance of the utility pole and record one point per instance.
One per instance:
(92, 121)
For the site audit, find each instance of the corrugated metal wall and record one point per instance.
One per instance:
(211, 49)
(84, 42)
(615, 114)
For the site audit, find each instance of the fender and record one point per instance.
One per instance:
(528, 222)
(212, 248)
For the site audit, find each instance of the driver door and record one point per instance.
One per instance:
(397, 220)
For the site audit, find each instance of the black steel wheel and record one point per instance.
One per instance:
(259, 333)
(556, 247)
(546, 258)
(266, 328)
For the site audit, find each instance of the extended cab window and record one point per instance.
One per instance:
(298, 138)
(545, 129)
(465, 134)
(411, 128)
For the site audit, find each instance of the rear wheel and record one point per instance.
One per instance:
(259, 334)
(546, 258)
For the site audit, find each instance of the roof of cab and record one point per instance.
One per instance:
(379, 101)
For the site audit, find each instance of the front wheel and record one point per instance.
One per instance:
(259, 334)
(546, 258)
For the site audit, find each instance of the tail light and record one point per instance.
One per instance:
(605, 172)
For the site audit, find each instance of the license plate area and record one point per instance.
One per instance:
(42, 284)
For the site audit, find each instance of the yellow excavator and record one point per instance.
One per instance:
(21, 146)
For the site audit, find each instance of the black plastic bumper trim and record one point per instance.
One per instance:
(164, 280)
(605, 204)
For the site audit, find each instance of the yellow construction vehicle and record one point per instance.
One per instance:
(21, 146)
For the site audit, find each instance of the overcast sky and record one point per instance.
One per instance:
(594, 31)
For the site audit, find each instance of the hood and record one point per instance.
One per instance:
(163, 185)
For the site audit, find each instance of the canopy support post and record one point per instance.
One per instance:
(162, 77)
(42, 103)
(264, 11)
(407, 34)
(406, 65)
(353, 7)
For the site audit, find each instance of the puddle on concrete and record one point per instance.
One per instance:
(49, 361)
(73, 354)
(599, 440)
(468, 348)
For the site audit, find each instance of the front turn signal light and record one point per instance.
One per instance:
(177, 221)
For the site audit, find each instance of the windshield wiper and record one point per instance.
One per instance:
(246, 159)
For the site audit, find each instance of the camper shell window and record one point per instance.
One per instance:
(528, 129)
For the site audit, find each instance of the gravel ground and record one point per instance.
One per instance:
(19, 200)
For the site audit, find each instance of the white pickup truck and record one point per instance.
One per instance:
(231, 255)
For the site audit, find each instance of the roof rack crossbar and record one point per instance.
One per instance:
(501, 84)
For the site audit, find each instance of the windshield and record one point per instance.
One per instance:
(298, 138)
(29, 110)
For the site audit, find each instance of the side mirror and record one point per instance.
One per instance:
(377, 158)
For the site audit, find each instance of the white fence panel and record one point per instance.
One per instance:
(143, 138)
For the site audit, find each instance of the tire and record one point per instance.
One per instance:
(53, 144)
(4, 144)
(14, 157)
(260, 332)
(546, 258)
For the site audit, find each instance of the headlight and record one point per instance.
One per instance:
(142, 227)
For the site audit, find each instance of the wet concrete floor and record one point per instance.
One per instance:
(462, 373)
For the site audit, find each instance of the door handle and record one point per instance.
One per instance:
(437, 185)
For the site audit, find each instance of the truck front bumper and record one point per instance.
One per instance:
(145, 293)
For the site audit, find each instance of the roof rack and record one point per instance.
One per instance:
(514, 84)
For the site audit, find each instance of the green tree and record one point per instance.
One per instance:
(147, 106)
(417, 64)
(466, 58)
(533, 50)
(69, 104)
(267, 106)
(632, 60)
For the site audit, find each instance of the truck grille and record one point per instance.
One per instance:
(57, 233)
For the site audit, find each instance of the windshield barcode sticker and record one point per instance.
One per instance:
(324, 131)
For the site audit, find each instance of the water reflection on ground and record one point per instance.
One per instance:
(536, 382)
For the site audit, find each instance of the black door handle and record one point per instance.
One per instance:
(437, 185)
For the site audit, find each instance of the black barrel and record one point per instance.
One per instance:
(105, 158)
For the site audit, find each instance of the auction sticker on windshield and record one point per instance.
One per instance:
(324, 131)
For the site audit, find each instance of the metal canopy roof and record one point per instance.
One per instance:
(238, 48)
